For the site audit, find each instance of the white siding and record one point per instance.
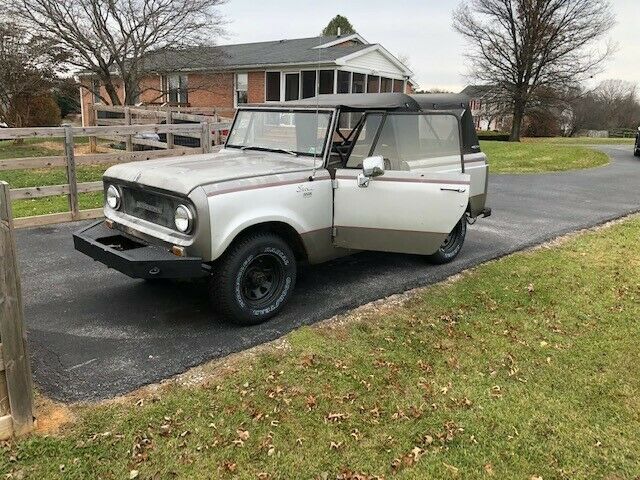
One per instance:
(375, 61)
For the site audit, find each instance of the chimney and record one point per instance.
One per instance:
(339, 31)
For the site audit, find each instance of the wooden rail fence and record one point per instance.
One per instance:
(16, 384)
(126, 115)
(70, 160)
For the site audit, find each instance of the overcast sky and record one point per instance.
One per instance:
(418, 29)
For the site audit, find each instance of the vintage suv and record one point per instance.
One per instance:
(303, 181)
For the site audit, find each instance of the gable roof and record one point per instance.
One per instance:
(259, 54)
(479, 91)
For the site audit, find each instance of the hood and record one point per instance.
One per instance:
(183, 174)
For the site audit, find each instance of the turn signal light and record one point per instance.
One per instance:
(109, 223)
(178, 251)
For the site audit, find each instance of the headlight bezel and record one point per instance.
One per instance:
(117, 194)
(188, 215)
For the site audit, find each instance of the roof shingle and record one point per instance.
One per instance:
(278, 52)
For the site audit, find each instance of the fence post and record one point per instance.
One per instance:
(93, 121)
(71, 171)
(218, 136)
(169, 121)
(127, 121)
(205, 137)
(14, 353)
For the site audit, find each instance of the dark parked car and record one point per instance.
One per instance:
(636, 147)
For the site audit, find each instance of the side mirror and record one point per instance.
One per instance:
(371, 167)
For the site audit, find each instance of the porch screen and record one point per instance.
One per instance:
(273, 86)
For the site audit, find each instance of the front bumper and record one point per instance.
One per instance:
(132, 257)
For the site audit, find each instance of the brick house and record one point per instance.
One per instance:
(489, 110)
(224, 76)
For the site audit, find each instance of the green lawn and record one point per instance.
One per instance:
(52, 176)
(526, 367)
(580, 140)
(33, 147)
(47, 176)
(538, 157)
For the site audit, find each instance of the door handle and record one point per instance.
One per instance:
(458, 190)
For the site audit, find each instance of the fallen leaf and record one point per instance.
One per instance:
(451, 467)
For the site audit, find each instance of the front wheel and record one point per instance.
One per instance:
(452, 244)
(254, 280)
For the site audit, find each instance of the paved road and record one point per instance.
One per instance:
(95, 333)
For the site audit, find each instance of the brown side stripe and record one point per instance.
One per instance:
(411, 180)
(265, 185)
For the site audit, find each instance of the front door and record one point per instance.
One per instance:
(422, 194)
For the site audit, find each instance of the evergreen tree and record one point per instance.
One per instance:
(338, 22)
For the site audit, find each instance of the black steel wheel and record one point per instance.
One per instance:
(452, 245)
(254, 279)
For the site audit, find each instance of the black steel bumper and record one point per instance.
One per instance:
(133, 257)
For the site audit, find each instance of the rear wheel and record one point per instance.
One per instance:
(452, 245)
(254, 280)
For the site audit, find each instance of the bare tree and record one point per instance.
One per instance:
(523, 45)
(111, 38)
(28, 65)
(619, 103)
(611, 105)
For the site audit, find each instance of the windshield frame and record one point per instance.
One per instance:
(328, 135)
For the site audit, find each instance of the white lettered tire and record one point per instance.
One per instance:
(254, 279)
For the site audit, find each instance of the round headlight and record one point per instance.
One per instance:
(113, 197)
(183, 219)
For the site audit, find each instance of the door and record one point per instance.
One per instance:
(422, 194)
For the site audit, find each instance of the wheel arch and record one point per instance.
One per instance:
(282, 229)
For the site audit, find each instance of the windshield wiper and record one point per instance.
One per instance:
(255, 147)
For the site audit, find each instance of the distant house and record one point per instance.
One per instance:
(490, 111)
(224, 77)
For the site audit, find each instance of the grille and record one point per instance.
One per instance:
(149, 206)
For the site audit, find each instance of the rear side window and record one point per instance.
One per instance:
(418, 140)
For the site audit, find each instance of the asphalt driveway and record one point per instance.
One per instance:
(95, 333)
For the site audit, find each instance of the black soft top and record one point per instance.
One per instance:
(396, 102)
(382, 101)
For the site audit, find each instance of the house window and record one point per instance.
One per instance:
(357, 83)
(398, 86)
(176, 88)
(292, 86)
(273, 86)
(326, 81)
(242, 87)
(373, 84)
(344, 81)
(308, 83)
(385, 84)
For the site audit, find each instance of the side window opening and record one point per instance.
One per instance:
(364, 142)
(408, 141)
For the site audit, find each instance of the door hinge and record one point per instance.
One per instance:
(334, 183)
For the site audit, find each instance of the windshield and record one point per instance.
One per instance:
(298, 133)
